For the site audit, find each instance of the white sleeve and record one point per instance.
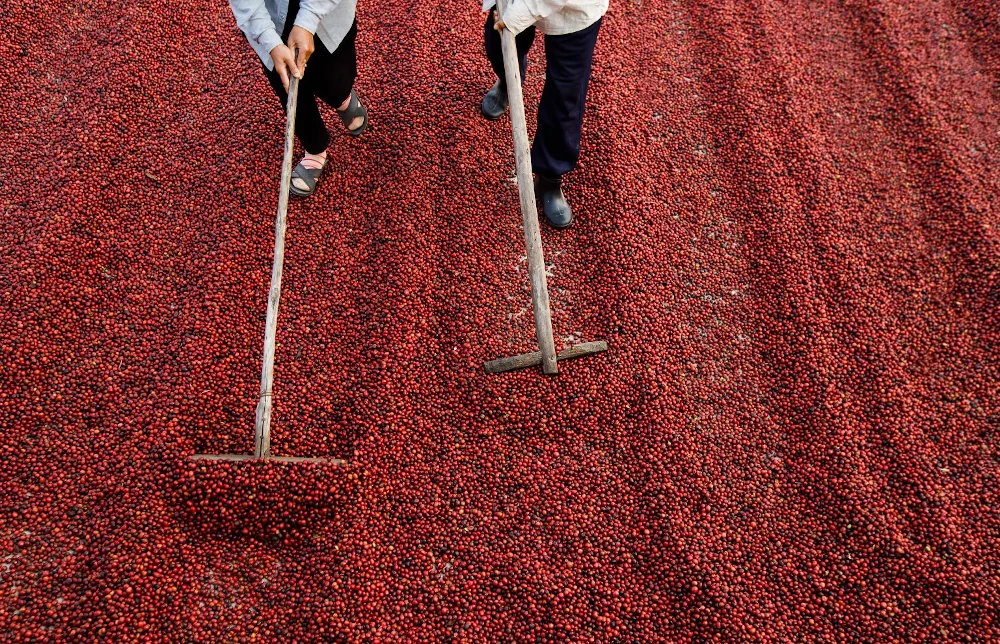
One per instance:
(521, 14)
(254, 20)
(312, 12)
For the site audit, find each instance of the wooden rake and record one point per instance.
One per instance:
(262, 427)
(546, 355)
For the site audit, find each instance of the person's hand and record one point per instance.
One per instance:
(497, 22)
(302, 41)
(284, 64)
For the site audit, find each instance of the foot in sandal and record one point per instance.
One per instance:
(306, 173)
(353, 114)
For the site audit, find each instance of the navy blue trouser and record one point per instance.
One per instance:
(568, 57)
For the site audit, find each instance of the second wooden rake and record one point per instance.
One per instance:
(546, 355)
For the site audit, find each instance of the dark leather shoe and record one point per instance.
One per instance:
(554, 205)
(495, 102)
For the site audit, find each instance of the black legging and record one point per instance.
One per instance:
(329, 76)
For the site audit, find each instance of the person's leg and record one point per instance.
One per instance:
(568, 58)
(494, 52)
(556, 147)
(337, 73)
(495, 101)
(309, 127)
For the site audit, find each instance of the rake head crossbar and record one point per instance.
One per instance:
(280, 459)
(534, 358)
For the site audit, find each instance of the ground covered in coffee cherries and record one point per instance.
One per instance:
(787, 231)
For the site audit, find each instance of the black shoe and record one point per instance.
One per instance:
(495, 102)
(557, 211)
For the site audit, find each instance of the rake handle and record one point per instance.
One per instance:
(529, 211)
(262, 427)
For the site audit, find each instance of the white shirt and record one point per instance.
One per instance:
(262, 20)
(552, 17)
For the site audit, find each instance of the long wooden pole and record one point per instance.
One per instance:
(529, 211)
(262, 428)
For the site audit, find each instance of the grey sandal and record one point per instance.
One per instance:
(353, 111)
(308, 176)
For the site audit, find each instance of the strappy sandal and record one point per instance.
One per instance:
(353, 111)
(309, 176)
